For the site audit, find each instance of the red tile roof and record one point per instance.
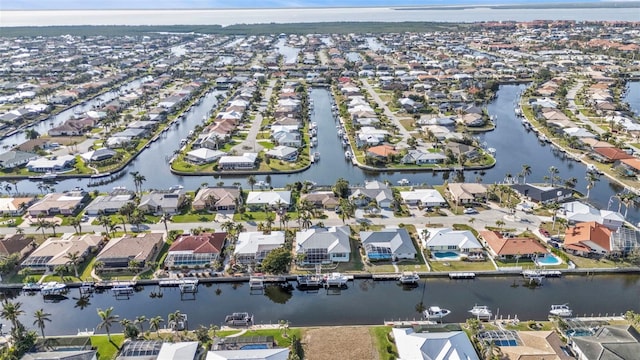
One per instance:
(511, 246)
(200, 244)
(578, 236)
(612, 153)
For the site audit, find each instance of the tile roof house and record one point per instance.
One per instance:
(433, 345)
(66, 203)
(217, 198)
(16, 244)
(253, 354)
(545, 345)
(609, 342)
(423, 197)
(109, 204)
(381, 151)
(504, 248)
(15, 206)
(577, 212)
(321, 199)
(324, 245)
(612, 154)
(587, 238)
(53, 251)
(259, 199)
(445, 239)
(191, 250)
(142, 248)
(161, 202)
(254, 246)
(52, 163)
(464, 193)
(388, 244)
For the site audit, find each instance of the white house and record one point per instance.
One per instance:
(446, 239)
(204, 155)
(322, 245)
(388, 244)
(253, 354)
(52, 164)
(254, 246)
(434, 345)
(577, 212)
(245, 161)
(258, 199)
(423, 197)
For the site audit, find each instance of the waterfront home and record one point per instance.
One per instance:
(73, 127)
(257, 200)
(577, 212)
(217, 199)
(109, 204)
(15, 206)
(285, 153)
(53, 251)
(465, 193)
(632, 166)
(388, 244)
(625, 241)
(254, 246)
(381, 152)
(322, 199)
(61, 355)
(433, 345)
(510, 247)
(196, 250)
(140, 350)
(98, 154)
(52, 164)
(446, 239)
(423, 198)
(160, 202)
(324, 245)
(183, 350)
(543, 194)
(203, 156)
(20, 244)
(253, 354)
(246, 161)
(545, 345)
(373, 191)
(15, 158)
(610, 155)
(420, 157)
(291, 138)
(587, 239)
(370, 136)
(66, 203)
(607, 342)
(141, 248)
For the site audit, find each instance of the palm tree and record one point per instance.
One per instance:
(53, 225)
(251, 180)
(305, 220)
(526, 171)
(74, 259)
(107, 320)
(553, 172)
(284, 326)
(77, 224)
(41, 319)
(140, 320)
(98, 265)
(11, 311)
(154, 323)
(138, 179)
(499, 223)
(174, 319)
(41, 224)
(164, 219)
(591, 182)
(629, 200)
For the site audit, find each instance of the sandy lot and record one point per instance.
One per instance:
(344, 342)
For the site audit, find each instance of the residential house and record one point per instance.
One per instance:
(62, 355)
(287, 138)
(183, 350)
(162, 202)
(54, 251)
(433, 345)
(196, 250)
(15, 206)
(257, 200)
(109, 204)
(254, 246)
(420, 157)
(381, 152)
(465, 193)
(587, 239)
(624, 241)
(204, 155)
(140, 350)
(20, 244)
(608, 342)
(388, 244)
(577, 212)
(281, 152)
(423, 198)
(98, 154)
(511, 248)
(261, 354)
(52, 164)
(324, 245)
(543, 194)
(610, 154)
(322, 199)
(246, 161)
(15, 158)
(373, 191)
(632, 166)
(217, 199)
(545, 345)
(446, 239)
(66, 203)
(141, 248)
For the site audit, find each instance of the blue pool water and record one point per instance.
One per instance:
(446, 255)
(548, 259)
(505, 342)
(254, 347)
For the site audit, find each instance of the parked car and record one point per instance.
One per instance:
(470, 211)
(544, 232)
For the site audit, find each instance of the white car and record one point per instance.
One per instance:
(470, 211)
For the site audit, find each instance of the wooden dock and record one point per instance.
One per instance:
(385, 277)
(462, 275)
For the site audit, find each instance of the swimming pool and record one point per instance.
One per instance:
(548, 259)
(446, 255)
(254, 347)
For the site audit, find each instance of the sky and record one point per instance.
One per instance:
(194, 4)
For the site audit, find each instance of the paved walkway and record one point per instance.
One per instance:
(571, 105)
(251, 141)
(402, 131)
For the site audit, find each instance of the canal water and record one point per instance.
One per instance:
(363, 302)
(514, 147)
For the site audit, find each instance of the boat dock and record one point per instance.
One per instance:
(541, 273)
(114, 283)
(385, 277)
(407, 323)
(462, 275)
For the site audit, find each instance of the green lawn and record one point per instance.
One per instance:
(449, 266)
(193, 217)
(386, 348)
(106, 349)
(277, 335)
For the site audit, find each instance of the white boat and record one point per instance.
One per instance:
(491, 151)
(183, 141)
(543, 138)
(336, 279)
(403, 182)
(52, 288)
(409, 277)
(347, 154)
(31, 287)
(239, 319)
(481, 312)
(561, 310)
(593, 169)
(435, 313)
(313, 125)
(316, 155)
(49, 176)
(312, 159)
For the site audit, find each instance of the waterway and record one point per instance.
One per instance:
(514, 147)
(363, 302)
(632, 97)
(289, 53)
